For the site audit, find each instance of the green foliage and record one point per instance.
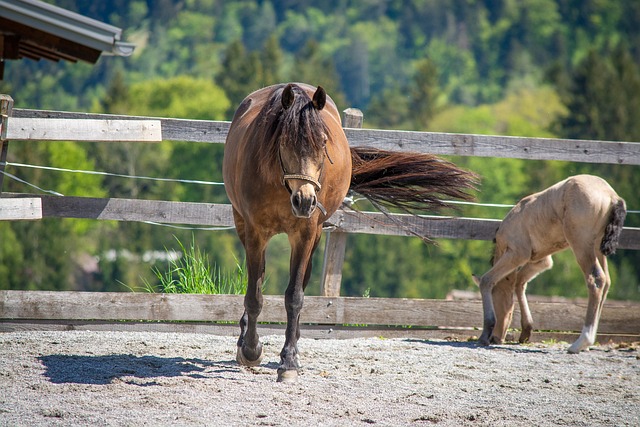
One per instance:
(181, 97)
(189, 272)
(12, 258)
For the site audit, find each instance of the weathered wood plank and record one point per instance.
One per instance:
(220, 215)
(172, 129)
(623, 153)
(212, 214)
(437, 227)
(308, 331)
(408, 225)
(83, 130)
(6, 111)
(20, 209)
(617, 317)
(334, 250)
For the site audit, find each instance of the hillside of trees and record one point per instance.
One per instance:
(541, 68)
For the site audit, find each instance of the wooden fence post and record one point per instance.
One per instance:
(336, 241)
(6, 106)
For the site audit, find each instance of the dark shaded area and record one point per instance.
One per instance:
(102, 370)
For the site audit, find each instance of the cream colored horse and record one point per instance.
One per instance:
(583, 213)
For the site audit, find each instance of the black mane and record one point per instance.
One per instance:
(299, 127)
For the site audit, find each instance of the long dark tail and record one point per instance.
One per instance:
(612, 231)
(412, 182)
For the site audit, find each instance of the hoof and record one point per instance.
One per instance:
(525, 335)
(246, 362)
(580, 345)
(287, 375)
(574, 349)
(496, 340)
(483, 341)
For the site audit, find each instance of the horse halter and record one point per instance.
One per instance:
(303, 177)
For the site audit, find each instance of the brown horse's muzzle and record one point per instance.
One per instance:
(304, 200)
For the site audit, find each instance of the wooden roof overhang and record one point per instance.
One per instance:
(36, 30)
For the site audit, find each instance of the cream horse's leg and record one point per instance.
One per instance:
(596, 275)
(508, 262)
(528, 273)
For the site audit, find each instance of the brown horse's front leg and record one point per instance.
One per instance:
(300, 273)
(249, 347)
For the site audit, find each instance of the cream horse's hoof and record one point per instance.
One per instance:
(287, 375)
(246, 362)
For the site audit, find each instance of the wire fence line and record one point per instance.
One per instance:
(117, 175)
(188, 181)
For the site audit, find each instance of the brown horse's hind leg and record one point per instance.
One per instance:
(597, 279)
(249, 347)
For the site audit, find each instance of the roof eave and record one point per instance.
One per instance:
(67, 25)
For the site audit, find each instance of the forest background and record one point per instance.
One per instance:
(540, 68)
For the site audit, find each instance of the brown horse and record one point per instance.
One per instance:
(582, 212)
(287, 168)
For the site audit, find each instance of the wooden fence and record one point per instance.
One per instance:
(17, 308)
(321, 317)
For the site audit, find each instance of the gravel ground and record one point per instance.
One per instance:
(173, 379)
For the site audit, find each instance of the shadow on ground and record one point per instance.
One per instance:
(102, 370)
(515, 348)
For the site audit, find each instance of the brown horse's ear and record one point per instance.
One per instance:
(319, 98)
(287, 96)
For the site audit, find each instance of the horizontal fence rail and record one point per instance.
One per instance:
(220, 215)
(90, 129)
(617, 317)
(623, 153)
(172, 129)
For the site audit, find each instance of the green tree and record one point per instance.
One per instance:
(240, 75)
(423, 94)
(312, 67)
(271, 58)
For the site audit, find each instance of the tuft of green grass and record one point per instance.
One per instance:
(191, 273)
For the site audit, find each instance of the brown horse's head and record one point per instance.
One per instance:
(300, 136)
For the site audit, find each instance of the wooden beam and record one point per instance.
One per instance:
(6, 110)
(220, 215)
(308, 331)
(617, 317)
(50, 42)
(31, 49)
(353, 221)
(20, 209)
(513, 147)
(172, 129)
(84, 130)
(212, 214)
(574, 150)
